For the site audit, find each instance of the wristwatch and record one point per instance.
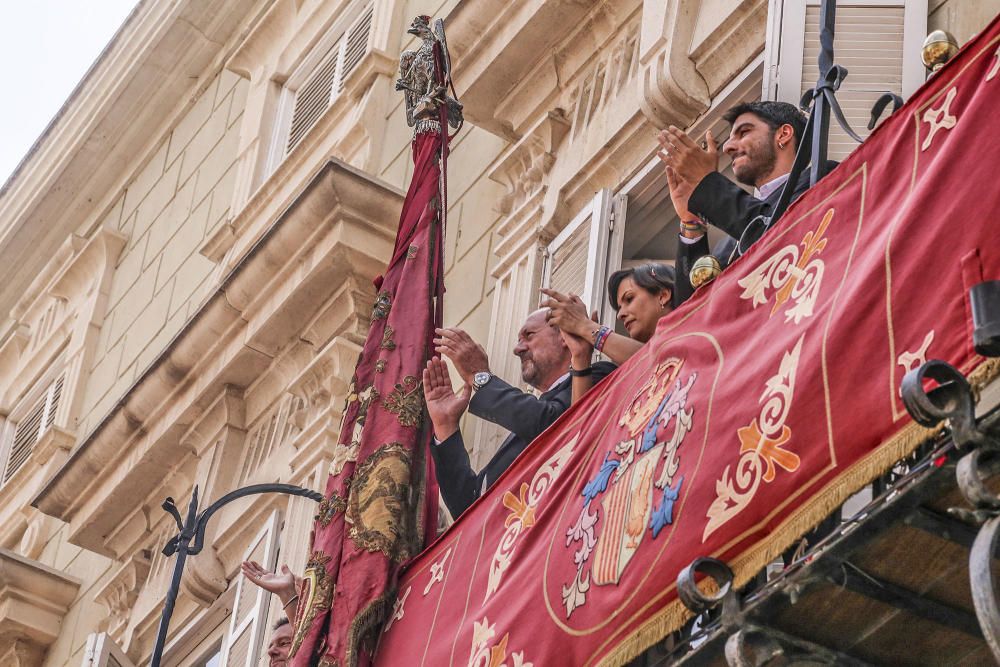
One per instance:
(480, 379)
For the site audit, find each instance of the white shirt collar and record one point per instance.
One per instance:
(561, 378)
(764, 191)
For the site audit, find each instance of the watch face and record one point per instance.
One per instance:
(479, 379)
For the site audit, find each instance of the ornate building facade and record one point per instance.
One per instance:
(188, 253)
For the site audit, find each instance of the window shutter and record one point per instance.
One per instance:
(878, 41)
(326, 81)
(248, 623)
(29, 430)
(102, 651)
(576, 261)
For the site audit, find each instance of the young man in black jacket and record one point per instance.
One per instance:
(545, 361)
(762, 144)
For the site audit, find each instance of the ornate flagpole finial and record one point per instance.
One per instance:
(424, 85)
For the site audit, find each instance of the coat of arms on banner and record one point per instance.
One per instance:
(634, 491)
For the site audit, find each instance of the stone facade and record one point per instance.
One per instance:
(188, 254)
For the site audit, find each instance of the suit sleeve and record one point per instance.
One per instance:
(725, 205)
(520, 413)
(459, 485)
(687, 253)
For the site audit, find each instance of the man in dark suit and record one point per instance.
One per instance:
(545, 365)
(762, 144)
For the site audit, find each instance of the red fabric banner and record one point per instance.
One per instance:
(380, 505)
(756, 409)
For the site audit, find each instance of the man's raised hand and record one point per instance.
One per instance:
(689, 161)
(468, 356)
(444, 405)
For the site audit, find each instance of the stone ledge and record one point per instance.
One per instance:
(338, 229)
(34, 599)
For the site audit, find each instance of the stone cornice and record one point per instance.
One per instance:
(339, 228)
(33, 600)
(129, 95)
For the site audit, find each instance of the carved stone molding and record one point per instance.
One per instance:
(33, 601)
(339, 229)
(121, 591)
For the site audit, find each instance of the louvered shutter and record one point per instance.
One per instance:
(102, 651)
(36, 420)
(326, 80)
(576, 261)
(878, 41)
(248, 623)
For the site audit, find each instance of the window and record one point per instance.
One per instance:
(102, 651)
(31, 422)
(878, 41)
(569, 266)
(319, 81)
(248, 623)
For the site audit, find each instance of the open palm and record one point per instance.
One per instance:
(444, 405)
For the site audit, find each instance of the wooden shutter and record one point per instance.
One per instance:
(36, 420)
(102, 651)
(325, 81)
(577, 259)
(878, 41)
(248, 623)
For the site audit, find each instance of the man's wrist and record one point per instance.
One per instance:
(444, 431)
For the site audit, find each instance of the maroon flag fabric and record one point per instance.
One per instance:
(380, 505)
(756, 409)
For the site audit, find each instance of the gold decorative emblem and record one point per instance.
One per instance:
(704, 270)
(910, 360)
(411, 252)
(387, 342)
(383, 304)
(761, 447)
(330, 507)
(378, 500)
(406, 401)
(315, 595)
(380, 366)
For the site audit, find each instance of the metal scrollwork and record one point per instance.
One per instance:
(952, 400)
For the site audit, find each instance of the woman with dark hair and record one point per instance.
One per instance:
(640, 296)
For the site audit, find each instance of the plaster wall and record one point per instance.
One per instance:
(962, 18)
(177, 199)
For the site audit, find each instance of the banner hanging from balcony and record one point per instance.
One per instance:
(755, 410)
(381, 501)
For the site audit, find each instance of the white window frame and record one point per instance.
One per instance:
(598, 216)
(101, 649)
(255, 620)
(285, 108)
(44, 387)
(783, 73)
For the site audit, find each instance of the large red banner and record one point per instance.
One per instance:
(755, 410)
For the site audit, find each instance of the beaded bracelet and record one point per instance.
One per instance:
(694, 226)
(601, 337)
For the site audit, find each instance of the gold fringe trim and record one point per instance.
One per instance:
(799, 522)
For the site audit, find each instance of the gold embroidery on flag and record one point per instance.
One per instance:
(406, 401)
(486, 655)
(379, 496)
(315, 595)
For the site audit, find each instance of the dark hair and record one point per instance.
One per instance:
(775, 114)
(281, 621)
(654, 278)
